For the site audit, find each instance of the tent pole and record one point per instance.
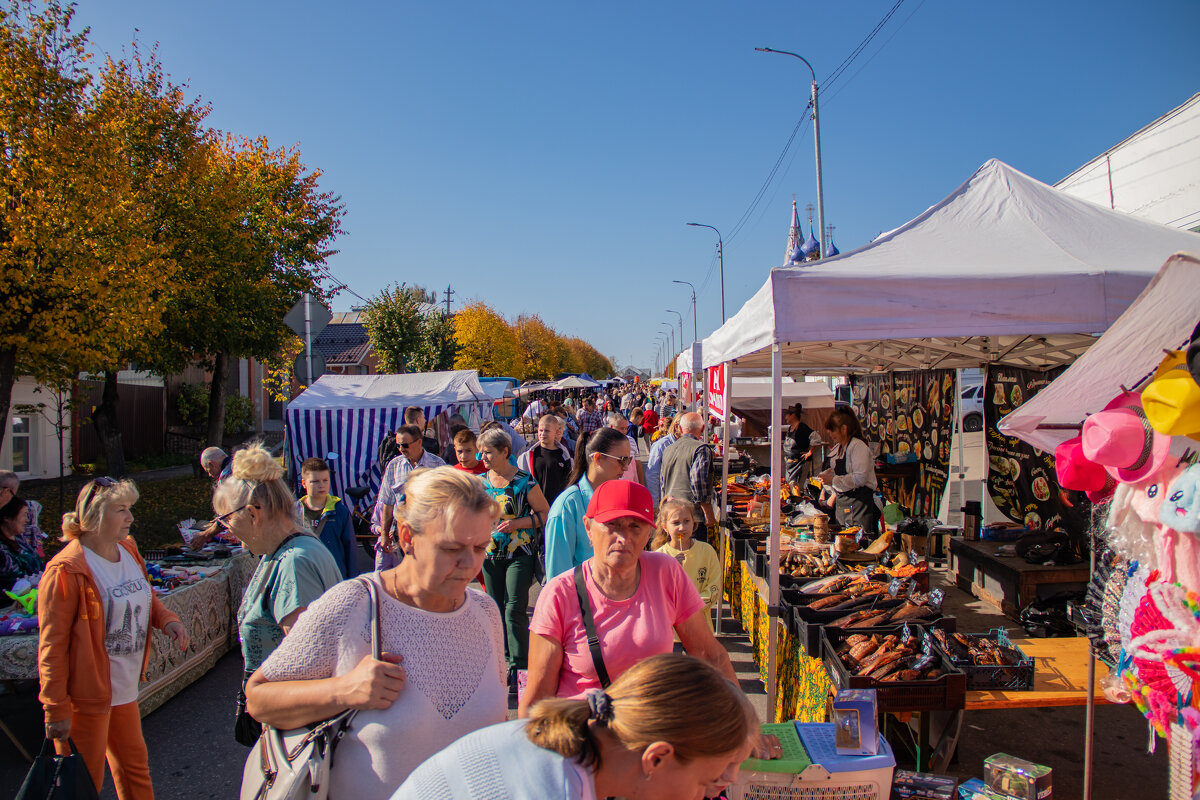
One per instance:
(962, 465)
(1090, 719)
(723, 511)
(773, 539)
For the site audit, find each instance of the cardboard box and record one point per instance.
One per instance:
(923, 786)
(855, 716)
(1016, 778)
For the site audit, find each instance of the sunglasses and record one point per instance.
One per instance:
(405, 445)
(223, 520)
(103, 482)
(625, 460)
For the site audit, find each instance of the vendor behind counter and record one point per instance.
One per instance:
(850, 473)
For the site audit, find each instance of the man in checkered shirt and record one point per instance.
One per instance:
(589, 418)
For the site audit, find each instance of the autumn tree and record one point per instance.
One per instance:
(407, 332)
(485, 341)
(162, 149)
(80, 261)
(541, 357)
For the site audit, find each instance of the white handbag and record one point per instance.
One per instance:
(295, 764)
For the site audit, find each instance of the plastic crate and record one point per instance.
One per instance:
(993, 676)
(828, 776)
(806, 624)
(945, 692)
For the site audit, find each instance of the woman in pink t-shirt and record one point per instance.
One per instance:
(640, 601)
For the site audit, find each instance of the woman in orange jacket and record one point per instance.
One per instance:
(95, 613)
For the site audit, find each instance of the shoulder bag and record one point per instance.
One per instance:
(55, 777)
(589, 625)
(289, 765)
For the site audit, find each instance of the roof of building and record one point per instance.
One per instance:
(343, 343)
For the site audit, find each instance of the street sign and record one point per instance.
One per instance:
(300, 367)
(318, 316)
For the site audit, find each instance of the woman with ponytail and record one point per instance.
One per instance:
(600, 456)
(670, 726)
(95, 612)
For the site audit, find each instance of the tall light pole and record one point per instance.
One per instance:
(676, 313)
(671, 333)
(694, 337)
(720, 261)
(816, 141)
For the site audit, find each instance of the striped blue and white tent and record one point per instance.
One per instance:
(350, 414)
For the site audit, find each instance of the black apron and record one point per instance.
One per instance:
(799, 468)
(857, 506)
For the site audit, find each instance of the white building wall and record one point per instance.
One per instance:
(1154, 174)
(32, 438)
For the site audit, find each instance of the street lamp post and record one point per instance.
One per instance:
(720, 262)
(694, 337)
(671, 333)
(816, 141)
(676, 313)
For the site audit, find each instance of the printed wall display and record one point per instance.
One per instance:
(911, 415)
(1021, 479)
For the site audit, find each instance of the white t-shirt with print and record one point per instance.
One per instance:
(125, 594)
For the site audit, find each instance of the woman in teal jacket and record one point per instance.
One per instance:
(606, 457)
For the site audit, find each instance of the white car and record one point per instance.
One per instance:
(972, 408)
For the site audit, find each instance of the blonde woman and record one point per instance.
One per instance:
(442, 672)
(257, 507)
(670, 726)
(96, 611)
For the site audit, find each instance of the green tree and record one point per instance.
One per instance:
(437, 349)
(395, 325)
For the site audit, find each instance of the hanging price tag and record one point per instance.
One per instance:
(936, 597)
(894, 586)
(913, 557)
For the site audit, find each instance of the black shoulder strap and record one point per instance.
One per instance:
(589, 625)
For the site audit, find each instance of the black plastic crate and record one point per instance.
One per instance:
(806, 624)
(945, 692)
(998, 676)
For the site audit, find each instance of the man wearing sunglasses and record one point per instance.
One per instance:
(413, 455)
(686, 469)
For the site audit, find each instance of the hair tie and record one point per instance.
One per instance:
(599, 705)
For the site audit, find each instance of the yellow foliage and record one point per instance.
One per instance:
(486, 342)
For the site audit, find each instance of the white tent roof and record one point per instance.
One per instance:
(755, 394)
(573, 382)
(497, 390)
(415, 389)
(1162, 317)
(1005, 270)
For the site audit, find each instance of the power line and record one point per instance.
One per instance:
(883, 46)
(861, 46)
(741, 223)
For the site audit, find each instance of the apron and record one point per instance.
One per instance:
(857, 506)
(798, 470)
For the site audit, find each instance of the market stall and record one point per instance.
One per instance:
(349, 415)
(205, 605)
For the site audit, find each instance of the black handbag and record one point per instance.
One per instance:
(246, 729)
(55, 777)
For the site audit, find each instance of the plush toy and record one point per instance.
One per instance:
(27, 600)
(1181, 507)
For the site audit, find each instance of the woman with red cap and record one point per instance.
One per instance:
(630, 602)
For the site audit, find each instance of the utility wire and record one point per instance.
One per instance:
(748, 213)
(882, 47)
(837, 73)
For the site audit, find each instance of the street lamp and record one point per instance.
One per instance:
(694, 337)
(720, 260)
(676, 313)
(671, 331)
(816, 141)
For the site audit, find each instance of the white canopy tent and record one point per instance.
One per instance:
(350, 414)
(1005, 270)
(573, 382)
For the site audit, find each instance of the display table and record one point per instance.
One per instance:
(1059, 677)
(205, 608)
(1007, 581)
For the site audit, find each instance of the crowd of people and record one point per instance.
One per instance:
(618, 684)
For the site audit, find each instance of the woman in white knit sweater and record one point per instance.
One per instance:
(442, 671)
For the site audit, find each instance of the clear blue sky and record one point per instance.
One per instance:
(544, 156)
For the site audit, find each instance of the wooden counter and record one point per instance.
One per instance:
(1059, 677)
(1008, 581)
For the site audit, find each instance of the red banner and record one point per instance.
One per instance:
(716, 390)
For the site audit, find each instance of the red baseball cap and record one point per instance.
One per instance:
(616, 499)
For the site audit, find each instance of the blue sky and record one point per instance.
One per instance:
(544, 156)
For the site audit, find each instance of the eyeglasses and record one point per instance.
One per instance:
(625, 460)
(223, 520)
(405, 445)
